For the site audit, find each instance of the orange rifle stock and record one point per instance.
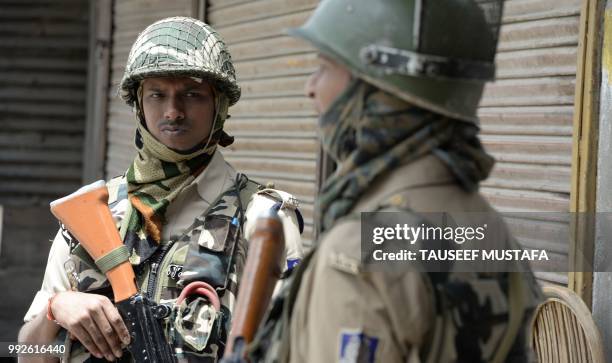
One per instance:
(261, 272)
(86, 215)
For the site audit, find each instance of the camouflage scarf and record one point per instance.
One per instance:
(157, 175)
(369, 132)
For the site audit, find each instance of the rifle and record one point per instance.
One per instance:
(86, 215)
(261, 272)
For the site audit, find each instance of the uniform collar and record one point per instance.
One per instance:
(217, 177)
(428, 170)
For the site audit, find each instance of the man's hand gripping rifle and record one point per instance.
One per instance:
(86, 215)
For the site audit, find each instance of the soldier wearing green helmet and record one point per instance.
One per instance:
(182, 211)
(397, 89)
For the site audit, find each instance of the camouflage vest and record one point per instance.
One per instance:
(472, 311)
(212, 249)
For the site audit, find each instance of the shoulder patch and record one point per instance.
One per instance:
(357, 347)
(284, 201)
(292, 262)
(287, 200)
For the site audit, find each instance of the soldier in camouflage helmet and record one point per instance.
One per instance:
(182, 211)
(397, 89)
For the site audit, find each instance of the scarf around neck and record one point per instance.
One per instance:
(368, 132)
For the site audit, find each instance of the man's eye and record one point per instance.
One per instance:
(192, 94)
(155, 95)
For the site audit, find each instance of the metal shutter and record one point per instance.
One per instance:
(526, 115)
(43, 74)
(130, 17)
(274, 123)
(527, 122)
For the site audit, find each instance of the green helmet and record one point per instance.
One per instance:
(435, 54)
(180, 47)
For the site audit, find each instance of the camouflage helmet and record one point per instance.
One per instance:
(435, 54)
(180, 46)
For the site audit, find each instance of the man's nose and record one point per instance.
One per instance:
(174, 109)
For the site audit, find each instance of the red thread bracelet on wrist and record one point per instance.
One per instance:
(50, 316)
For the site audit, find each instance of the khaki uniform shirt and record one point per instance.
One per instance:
(342, 312)
(189, 204)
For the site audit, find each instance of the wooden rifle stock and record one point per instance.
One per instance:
(86, 215)
(261, 273)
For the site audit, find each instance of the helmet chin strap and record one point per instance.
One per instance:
(217, 98)
(138, 106)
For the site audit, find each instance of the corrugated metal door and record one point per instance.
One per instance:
(43, 74)
(527, 122)
(526, 115)
(130, 17)
(274, 123)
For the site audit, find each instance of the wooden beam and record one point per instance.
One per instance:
(584, 153)
(198, 10)
(100, 37)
